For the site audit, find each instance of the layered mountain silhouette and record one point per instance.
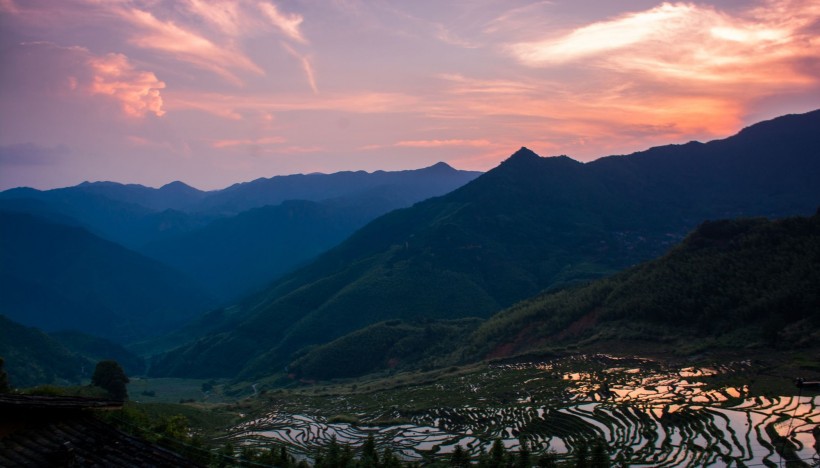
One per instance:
(134, 215)
(385, 189)
(530, 224)
(243, 237)
(242, 253)
(61, 277)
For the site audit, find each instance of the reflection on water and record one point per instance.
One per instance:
(648, 417)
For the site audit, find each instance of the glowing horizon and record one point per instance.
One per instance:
(213, 93)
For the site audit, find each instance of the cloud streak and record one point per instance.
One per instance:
(288, 24)
(186, 45)
(307, 66)
(442, 143)
(257, 142)
(31, 154)
(682, 41)
(234, 107)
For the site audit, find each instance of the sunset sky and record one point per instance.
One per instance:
(217, 92)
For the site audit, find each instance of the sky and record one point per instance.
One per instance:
(218, 92)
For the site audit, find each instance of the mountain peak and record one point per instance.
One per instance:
(524, 153)
(440, 167)
(178, 187)
(524, 157)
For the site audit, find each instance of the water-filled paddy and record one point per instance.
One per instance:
(648, 414)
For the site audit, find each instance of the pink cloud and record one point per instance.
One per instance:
(138, 92)
(442, 143)
(43, 70)
(257, 142)
(677, 41)
(288, 24)
(234, 106)
(226, 16)
(187, 45)
(307, 66)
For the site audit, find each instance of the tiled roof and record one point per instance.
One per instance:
(59, 433)
(38, 402)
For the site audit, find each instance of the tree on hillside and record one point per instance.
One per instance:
(548, 459)
(498, 454)
(109, 376)
(524, 459)
(459, 458)
(370, 457)
(4, 377)
(599, 457)
(582, 455)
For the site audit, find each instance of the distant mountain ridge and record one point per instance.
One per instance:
(243, 237)
(242, 253)
(529, 224)
(403, 187)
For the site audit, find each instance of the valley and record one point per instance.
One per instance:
(654, 308)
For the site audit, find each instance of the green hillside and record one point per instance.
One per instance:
(34, 358)
(731, 284)
(528, 225)
(393, 345)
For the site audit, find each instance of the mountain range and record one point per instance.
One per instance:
(238, 239)
(529, 225)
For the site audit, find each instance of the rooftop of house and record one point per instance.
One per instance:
(63, 431)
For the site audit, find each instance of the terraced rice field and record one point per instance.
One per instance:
(648, 415)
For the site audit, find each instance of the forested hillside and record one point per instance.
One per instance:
(528, 225)
(733, 283)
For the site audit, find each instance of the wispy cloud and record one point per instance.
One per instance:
(247, 142)
(307, 66)
(187, 45)
(234, 107)
(606, 36)
(226, 16)
(691, 42)
(288, 24)
(442, 143)
(31, 154)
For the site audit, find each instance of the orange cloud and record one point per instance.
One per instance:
(606, 36)
(137, 91)
(690, 42)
